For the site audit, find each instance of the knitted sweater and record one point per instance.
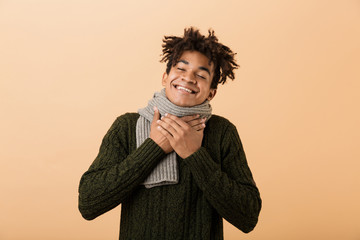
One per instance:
(215, 182)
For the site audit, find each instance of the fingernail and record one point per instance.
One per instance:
(157, 121)
(159, 127)
(166, 114)
(155, 108)
(162, 117)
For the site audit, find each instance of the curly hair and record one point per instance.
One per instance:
(218, 54)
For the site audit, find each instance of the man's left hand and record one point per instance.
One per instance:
(183, 137)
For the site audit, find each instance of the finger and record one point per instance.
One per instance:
(196, 122)
(168, 127)
(190, 117)
(165, 133)
(179, 121)
(170, 122)
(156, 114)
(199, 127)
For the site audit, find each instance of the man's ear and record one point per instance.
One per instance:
(211, 94)
(164, 79)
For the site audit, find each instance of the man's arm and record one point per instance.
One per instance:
(115, 172)
(229, 187)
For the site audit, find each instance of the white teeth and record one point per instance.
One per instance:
(182, 88)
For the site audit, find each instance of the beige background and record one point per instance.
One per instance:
(69, 68)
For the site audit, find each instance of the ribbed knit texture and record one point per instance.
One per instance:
(166, 172)
(214, 183)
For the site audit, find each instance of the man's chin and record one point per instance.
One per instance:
(182, 103)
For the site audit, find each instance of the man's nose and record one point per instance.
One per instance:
(189, 77)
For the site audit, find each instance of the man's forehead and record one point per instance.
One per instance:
(187, 54)
(195, 57)
(204, 68)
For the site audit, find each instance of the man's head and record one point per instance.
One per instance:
(195, 66)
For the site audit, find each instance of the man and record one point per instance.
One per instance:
(176, 168)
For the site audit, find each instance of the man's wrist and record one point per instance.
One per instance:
(188, 154)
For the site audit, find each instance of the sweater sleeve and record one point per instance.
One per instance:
(115, 173)
(228, 187)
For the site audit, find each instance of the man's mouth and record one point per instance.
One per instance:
(184, 89)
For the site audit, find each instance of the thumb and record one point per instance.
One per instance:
(201, 132)
(156, 115)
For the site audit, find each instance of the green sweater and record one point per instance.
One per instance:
(214, 183)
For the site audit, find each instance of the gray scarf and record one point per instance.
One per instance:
(166, 172)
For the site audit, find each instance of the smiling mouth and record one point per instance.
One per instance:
(184, 89)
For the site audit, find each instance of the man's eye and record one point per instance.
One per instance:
(201, 76)
(181, 69)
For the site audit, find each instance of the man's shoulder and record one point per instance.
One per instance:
(219, 120)
(219, 123)
(126, 120)
(129, 116)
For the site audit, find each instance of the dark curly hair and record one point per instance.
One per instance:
(218, 54)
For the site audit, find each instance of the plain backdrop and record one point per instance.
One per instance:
(69, 68)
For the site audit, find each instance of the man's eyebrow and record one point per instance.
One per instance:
(184, 61)
(205, 69)
(202, 68)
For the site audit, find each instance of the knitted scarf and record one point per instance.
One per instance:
(166, 172)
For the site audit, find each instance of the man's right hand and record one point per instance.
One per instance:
(194, 121)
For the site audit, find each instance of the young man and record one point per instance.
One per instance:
(176, 177)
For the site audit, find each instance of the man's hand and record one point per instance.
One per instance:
(184, 134)
(156, 136)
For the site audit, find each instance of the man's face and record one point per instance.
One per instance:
(188, 82)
